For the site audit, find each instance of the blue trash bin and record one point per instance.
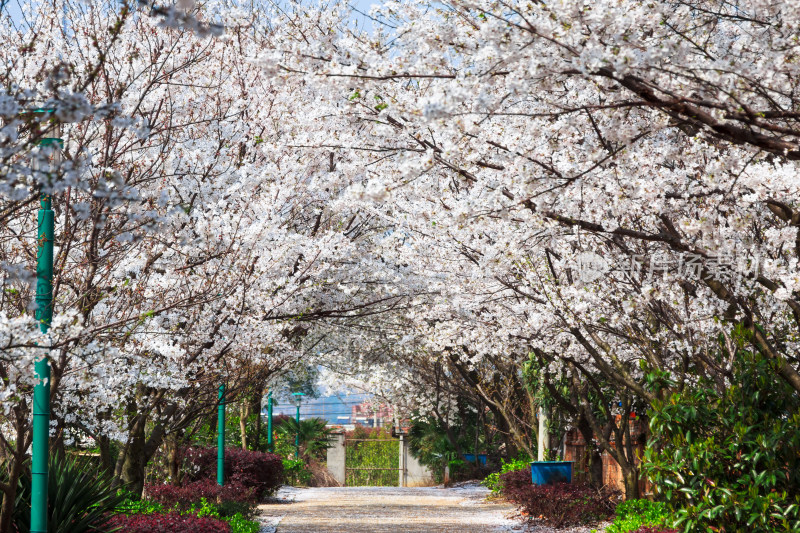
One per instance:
(547, 472)
(470, 457)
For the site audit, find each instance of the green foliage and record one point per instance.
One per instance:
(203, 508)
(228, 509)
(240, 524)
(238, 521)
(235, 514)
(133, 506)
(80, 497)
(728, 459)
(313, 433)
(434, 444)
(492, 481)
(457, 466)
(283, 443)
(633, 514)
(295, 472)
(379, 450)
(428, 442)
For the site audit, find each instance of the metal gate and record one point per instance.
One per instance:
(372, 462)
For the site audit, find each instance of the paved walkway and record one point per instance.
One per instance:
(387, 510)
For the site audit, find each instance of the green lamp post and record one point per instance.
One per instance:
(44, 314)
(221, 436)
(269, 423)
(298, 397)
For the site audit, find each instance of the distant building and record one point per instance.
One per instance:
(366, 414)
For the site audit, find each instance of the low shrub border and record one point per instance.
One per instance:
(493, 482)
(515, 479)
(182, 497)
(139, 515)
(263, 472)
(167, 523)
(559, 504)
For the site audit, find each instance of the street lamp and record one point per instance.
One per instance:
(270, 447)
(298, 397)
(221, 436)
(44, 313)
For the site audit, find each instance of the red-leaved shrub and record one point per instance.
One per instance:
(167, 523)
(516, 479)
(182, 497)
(561, 504)
(655, 529)
(263, 472)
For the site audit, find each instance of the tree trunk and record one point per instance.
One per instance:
(9, 496)
(630, 476)
(593, 460)
(133, 464)
(543, 444)
(257, 409)
(595, 465)
(7, 510)
(174, 461)
(104, 444)
(244, 414)
(15, 459)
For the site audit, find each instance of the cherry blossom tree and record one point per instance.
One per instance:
(515, 144)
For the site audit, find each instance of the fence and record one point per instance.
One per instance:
(375, 462)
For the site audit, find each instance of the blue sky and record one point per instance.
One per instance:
(328, 407)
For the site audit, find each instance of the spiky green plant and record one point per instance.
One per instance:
(80, 498)
(314, 436)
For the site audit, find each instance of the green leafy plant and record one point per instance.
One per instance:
(238, 521)
(204, 508)
(80, 498)
(237, 514)
(230, 508)
(295, 472)
(428, 442)
(492, 481)
(133, 506)
(435, 444)
(634, 514)
(313, 436)
(725, 458)
(240, 524)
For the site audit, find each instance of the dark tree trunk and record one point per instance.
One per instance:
(7, 510)
(133, 464)
(630, 476)
(174, 460)
(257, 409)
(592, 457)
(595, 466)
(106, 460)
(9, 496)
(14, 458)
